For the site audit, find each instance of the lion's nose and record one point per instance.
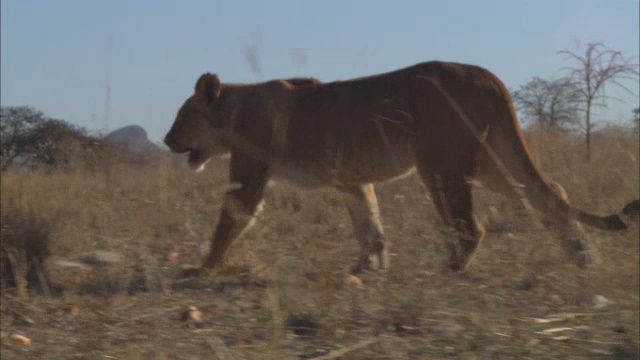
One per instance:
(171, 142)
(168, 140)
(176, 144)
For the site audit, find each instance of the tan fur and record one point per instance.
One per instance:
(452, 122)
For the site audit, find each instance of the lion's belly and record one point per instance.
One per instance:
(356, 162)
(375, 164)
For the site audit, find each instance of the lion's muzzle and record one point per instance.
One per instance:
(174, 145)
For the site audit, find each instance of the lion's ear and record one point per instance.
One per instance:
(208, 87)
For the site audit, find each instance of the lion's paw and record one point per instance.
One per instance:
(373, 262)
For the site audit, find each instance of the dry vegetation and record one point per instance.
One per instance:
(284, 292)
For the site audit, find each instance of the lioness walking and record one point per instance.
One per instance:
(452, 122)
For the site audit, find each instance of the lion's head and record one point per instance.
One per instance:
(199, 129)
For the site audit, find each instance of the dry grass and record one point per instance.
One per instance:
(283, 292)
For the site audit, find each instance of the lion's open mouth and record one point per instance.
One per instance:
(197, 159)
(194, 156)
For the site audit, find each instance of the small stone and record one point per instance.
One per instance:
(172, 256)
(192, 314)
(600, 302)
(354, 280)
(20, 340)
(70, 309)
(556, 299)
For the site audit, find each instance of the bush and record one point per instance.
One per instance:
(30, 139)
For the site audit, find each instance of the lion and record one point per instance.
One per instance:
(450, 122)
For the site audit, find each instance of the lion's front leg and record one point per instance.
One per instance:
(365, 216)
(239, 211)
(236, 217)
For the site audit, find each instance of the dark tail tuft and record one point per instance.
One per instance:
(613, 222)
(632, 208)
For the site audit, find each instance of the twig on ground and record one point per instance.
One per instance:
(221, 351)
(359, 345)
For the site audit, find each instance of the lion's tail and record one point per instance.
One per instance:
(507, 140)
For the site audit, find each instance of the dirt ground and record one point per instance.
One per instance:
(284, 292)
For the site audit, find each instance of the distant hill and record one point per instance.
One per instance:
(133, 138)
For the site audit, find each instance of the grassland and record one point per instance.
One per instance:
(284, 294)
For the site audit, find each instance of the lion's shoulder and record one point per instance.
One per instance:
(461, 76)
(289, 84)
(302, 81)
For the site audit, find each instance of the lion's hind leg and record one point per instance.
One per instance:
(575, 242)
(362, 204)
(452, 197)
(573, 239)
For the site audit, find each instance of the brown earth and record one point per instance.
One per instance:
(284, 292)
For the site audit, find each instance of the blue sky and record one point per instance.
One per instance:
(58, 56)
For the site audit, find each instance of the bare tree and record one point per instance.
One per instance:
(596, 68)
(549, 103)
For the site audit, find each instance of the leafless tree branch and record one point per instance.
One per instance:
(596, 68)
